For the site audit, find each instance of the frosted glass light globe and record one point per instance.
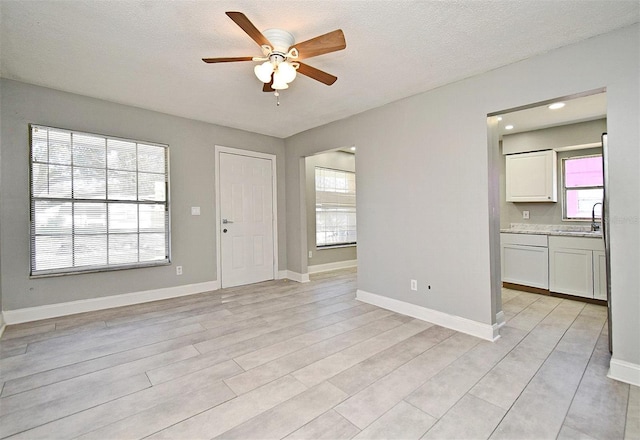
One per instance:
(287, 72)
(278, 82)
(263, 72)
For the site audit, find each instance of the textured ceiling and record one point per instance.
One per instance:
(148, 53)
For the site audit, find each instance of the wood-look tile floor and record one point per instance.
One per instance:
(287, 360)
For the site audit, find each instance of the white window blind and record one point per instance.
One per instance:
(335, 207)
(97, 202)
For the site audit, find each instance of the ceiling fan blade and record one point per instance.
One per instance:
(267, 86)
(226, 60)
(317, 74)
(326, 43)
(241, 20)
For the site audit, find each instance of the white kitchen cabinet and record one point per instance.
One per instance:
(571, 271)
(574, 266)
(525, 259)
(599, 275)
(532, 177)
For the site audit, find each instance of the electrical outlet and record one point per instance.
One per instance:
(178, 270)
(525, 215)
(310, 254)
(414, 284)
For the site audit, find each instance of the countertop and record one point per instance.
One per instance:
(558, 230)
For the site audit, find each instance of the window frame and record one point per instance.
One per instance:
(320, 247)
(565, 206)
(34, 273)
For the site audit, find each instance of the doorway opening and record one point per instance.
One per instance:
(539, 198)
(330, 207)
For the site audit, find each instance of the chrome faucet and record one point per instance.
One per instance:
(594, 225)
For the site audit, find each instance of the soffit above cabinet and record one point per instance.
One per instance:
(582, 135)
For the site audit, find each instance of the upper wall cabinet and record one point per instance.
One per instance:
(532, 177)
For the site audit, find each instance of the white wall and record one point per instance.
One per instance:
(423, 176)
(191, 145)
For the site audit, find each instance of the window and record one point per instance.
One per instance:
(335, 207)
(97, 202)
(582, 180)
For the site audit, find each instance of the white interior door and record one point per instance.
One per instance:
(246, 214)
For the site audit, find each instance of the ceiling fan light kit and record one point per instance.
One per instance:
(280, 54)
(264, 71)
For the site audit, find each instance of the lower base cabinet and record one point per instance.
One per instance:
(577, 266)
(525, 260)
(599, 275)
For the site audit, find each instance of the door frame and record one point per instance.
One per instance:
(274, 205)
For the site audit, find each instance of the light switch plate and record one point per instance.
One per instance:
(195, 210)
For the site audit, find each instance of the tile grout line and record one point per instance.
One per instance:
(101, 369)
(581, 379)
(81, 410)
(541, 365)
(417, 387)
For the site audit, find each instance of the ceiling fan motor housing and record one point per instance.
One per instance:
(280, 39)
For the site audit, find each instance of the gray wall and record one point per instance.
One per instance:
(192, 146)
(424, 208)
(337, 160)
(567, 135)
(542, 213)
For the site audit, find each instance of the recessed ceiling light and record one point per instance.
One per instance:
(353, 148)
(499, 118)
(556, 105)
(508, 127)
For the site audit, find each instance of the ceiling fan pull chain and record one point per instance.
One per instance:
(277, 95)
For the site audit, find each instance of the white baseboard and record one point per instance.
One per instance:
(282, 274)
(332, 266)
(299, 277)
(88, 305)
(2, 324)
(624, 371)
(500, 319)
(484, 331)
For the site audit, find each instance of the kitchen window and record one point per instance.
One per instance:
(582, 186)
(335, 207)
(97, 202)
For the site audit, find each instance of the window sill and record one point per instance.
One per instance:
(337, 246)
(99, 269)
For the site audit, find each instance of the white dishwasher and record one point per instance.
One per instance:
(525, 259)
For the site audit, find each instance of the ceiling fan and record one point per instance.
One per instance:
(281, 56)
